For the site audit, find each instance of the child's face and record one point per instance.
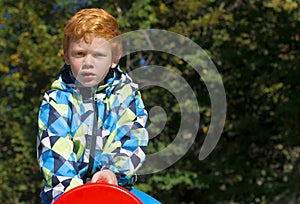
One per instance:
(90, 62)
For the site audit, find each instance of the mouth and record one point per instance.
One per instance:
(87, 74)
(87, 77)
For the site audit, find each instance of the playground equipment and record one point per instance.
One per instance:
(100, 193)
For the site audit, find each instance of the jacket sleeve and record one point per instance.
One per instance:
(125, 149)
(56, 158)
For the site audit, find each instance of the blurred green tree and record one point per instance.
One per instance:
(255, 46)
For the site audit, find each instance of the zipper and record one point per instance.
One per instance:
(94, 139)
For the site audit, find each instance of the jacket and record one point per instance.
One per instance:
(85, 130)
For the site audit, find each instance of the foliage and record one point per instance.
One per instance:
(255, 46)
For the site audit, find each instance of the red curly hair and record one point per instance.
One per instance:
(93, 22)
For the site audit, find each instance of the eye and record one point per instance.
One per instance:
(79, 54)
(99, 54)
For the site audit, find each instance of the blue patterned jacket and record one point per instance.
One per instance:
(84, 130)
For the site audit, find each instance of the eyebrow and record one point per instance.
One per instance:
(78, 49)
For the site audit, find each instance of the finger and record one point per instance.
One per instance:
(96, 177)
(112, 181)
(102, 180)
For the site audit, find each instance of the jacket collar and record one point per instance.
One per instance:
(66, 81)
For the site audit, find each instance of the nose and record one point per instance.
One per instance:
(88, 62)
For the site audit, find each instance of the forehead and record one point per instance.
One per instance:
(96, 43)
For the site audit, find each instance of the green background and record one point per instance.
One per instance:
(255, 47)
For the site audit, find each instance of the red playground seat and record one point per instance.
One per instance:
(100, 193)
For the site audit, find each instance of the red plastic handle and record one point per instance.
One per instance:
(100, 193)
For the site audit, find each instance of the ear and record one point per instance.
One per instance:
(114, 64)
(67, 59)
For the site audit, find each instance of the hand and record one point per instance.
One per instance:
(106, 175)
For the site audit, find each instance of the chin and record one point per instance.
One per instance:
(88, 84)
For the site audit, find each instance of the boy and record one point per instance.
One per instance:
(91, 126)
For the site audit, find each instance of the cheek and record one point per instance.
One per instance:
(104, 63)
(75, 67)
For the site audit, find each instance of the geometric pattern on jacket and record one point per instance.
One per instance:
(109, 120)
